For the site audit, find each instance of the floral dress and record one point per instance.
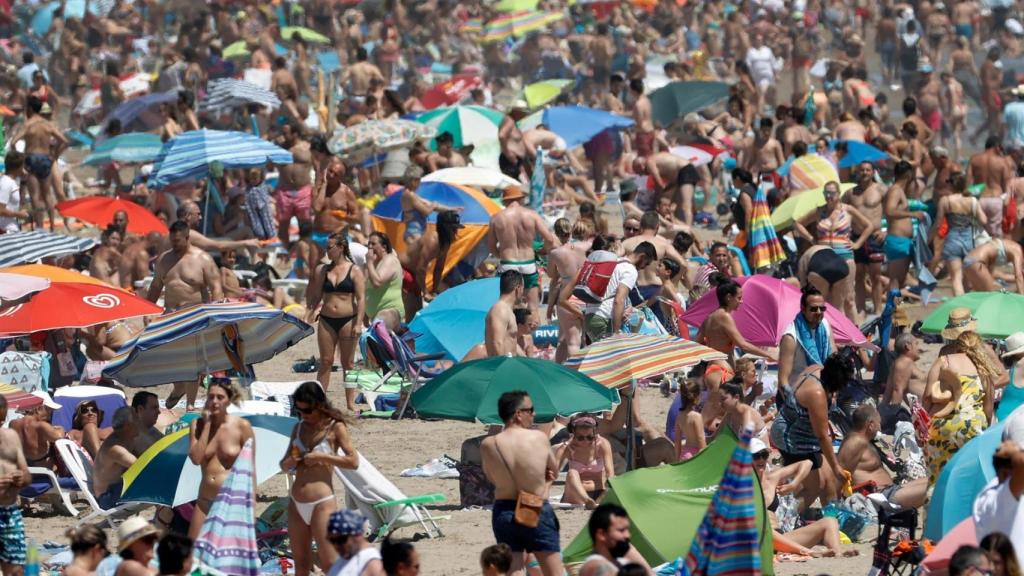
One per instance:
(948, 434)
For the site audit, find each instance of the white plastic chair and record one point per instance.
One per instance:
(55, 486)
(80, 467)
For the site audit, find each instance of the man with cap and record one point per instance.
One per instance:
(136, 545)
(356, 556)
(36, 432)
(510, 238)
(861, 456)
(13, 477)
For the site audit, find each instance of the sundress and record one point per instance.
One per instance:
(948, 434)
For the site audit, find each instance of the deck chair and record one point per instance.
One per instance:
(386, 507)
(280, 392)
(80, 467)
(410, 367)
(44, 481)
(380, 348)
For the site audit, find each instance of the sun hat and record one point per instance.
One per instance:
(133, 530)
(512, 193)
(47, 401)
(1014, 344)
(345, 523)
(960, 321)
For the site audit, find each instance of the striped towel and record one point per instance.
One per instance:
(227, 540)
(763, 245)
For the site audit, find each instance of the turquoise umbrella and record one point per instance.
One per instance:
(134, 147)
(677, 99)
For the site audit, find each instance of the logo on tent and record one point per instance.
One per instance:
(102, 300)
(10, 311)
(699, 490)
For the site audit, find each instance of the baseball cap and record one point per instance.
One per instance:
(47, 401)
(757, 445)
(346, 523)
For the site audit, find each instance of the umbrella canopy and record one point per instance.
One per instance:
(473, 176)
(470, 390)
(134, 147)
(73, 300)
(228, 93)
(467, 124)
(999, 314)
(811, 171)
(960, 482)
(800, 204)
(289, 33)
(18, 399)
(857, 152)
(165, 476)
(190, 154)
(15, 286)
(379, 135)
(451, 91)
(178, 346)
(22, 247)
(540, 93)
(100, 210)
(43, 17)
(963, 534)
(623, 358)
(227, 539)
(677, 99)
(142, 113)
(762, 242)
(578, 124)
(239, 49)
(465, 306)
(697, 154)
(133, 86)
(727, 541)
(516, 5)
(518, 24)
(769, 307)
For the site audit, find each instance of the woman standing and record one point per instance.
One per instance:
(341, 286)
(312, 455)
(214, 442)
(961, 213)
(384, 271)
(589, 457)
(88, 547)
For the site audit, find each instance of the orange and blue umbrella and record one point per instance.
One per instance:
(620, 359)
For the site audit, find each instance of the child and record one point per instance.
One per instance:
(496, 560)
(690, 435)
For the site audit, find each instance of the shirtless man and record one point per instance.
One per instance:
(106, 261)
(294, 194)
(190, 213)
(928, 99)
(335, 205)
(44, 143)
(648, 283)
(904, 377)
(644, 141)
(899, 240)
(135, 258)
(358, 76)
(991, 77)
(867, 197)
(514, 158)
(13, 477)
(610, 99)
(764, 154)
(794, 131)
(850, 128)
(858, 455)
(564, 264)
(446, 156)
(669, 225)
(146, 408)
(602, 51)
(980, 266)
(995, 171)
(510, 238)
(282, 82)
(37, 434)
(191, 277)
(500, 327)
(113, 458)
(674, 177)
(964, 16)
(519, 459)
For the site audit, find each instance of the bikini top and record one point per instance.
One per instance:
(594, 468)
(346, 286)
(324, 445)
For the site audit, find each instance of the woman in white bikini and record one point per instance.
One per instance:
(312, 455)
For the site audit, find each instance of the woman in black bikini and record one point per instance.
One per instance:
(340, 284)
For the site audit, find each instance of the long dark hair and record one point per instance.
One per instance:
(340, 239)
(310, 392)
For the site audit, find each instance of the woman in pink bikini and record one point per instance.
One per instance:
(589, 457)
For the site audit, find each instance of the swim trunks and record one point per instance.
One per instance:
(871, 252)
(528, 268)
(12, 535)
(687, 175)
(643, 143)
(112, 497)
(296, 203)
(965, 30)
(543, 538)
(321, 238)
(898, 247)
(39, 165)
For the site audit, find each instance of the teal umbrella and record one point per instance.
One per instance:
(677, 99)
(470, 390)
(998, 314)
(134, 147)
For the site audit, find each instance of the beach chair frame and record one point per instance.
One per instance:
(55, 486)
(75, 460)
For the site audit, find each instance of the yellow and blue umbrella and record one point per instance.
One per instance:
(164, 475)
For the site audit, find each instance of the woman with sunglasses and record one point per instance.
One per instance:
(341, 286)
(589, 457)
(312, 456)
(85, 430)
(136, 545)
(215, 439)
(88, 549)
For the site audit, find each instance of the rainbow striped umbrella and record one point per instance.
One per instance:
(765, 250)
(518, 24)
(811, 171)
(472, 26)
(620, 359)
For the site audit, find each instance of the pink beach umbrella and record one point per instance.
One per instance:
(769, 307)
(937, 563)
(15, 286)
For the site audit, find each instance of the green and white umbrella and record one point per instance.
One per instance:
(467, 124)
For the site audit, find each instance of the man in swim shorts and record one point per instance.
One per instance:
(14, 470)
(899, 241)
(294, 194)
(511, 238)
(39, 135)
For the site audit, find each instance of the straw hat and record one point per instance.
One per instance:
(133, 530)
(1014, 344)
(512, 193)
(960, 321)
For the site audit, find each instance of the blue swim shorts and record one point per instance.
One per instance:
(543, 538)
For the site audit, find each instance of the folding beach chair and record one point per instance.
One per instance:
(80, 466)
(44, 481)
(411, 368)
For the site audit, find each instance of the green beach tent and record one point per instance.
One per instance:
(667, 504)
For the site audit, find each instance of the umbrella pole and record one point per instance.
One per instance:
(630, 429)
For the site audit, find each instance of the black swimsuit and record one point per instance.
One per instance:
(346, 286)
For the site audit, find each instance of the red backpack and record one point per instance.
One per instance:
(594, 275)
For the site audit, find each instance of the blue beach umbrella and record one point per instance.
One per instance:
(190, 154)
(134, 147)
(141, 113)
(578, 124)
(857, 152)
(454, 322)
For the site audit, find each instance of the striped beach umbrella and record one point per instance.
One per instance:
(467, 124)
(765, 250)
(141, 113)
(518, 24)
(134, 147)
(18, 399)
(189, 155)
(23, 247)
(379, 136)
(227, 539)
(181, 345)
(472, 26)
(228, 93)
(100, 211)
(622, 358)
(811, 171)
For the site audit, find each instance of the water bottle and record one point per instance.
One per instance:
(32, 560)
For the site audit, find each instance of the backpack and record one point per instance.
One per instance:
(909, 55)
(594, 275)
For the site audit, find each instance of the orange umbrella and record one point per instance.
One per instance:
(100, 210)
(73, 300)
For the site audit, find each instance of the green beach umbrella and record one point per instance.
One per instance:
(288, 32)
(998, 314)
(516, 5)
(540, 93)
(467, 124)
(134, 147)
(470, 390)
(677, 99)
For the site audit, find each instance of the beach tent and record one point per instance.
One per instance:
(667, 505)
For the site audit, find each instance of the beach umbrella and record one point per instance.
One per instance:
(697, 154)
(516, 5)
(578, 124)
(763, 244)
(999, 314)
(465, 306)
(239, 49)
(18, 399)
(624, 358)
(727, 541)
(960, 482)
(857, 152)
(963, 534)
(42, 19)
(21, 247)
(16, 286)
(135, 147)
(100, 210)
(189, 155)
(473, 176)
(228, 93)
(811, 171)
(470, 390)
(769, 307)
(164, 475)
(540, 93)
(227, 539)
(450, 91)
(379, 136)
(179, 346)
(142, 113)
(472, 26)
(133, 86)
(518, 24)
(73, 300)
(677, 99)
(289, 33)
(467, 124)
(800, 204)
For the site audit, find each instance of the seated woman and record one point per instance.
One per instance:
(589, 457)
(263, 291)
(787, 480)
(690, 435)
(735, 414)
(85, 430)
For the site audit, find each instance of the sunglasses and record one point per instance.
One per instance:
(816, 308)
(762, 455)
(88, 410)
(588, 438)
(529, 410)
(632, 228)
(306, 411)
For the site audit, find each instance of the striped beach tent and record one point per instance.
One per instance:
(227, 539)
(179, 346)
(189, 155)
(622, 358)
(230, 93)
(24, 247)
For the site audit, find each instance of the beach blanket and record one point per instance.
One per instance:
(765, 250)
(227, 540)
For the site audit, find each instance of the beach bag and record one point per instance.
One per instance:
(474, 487)
(528, 509)
(594, 276)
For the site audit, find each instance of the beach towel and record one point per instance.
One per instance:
(227, 540)
(764, 248)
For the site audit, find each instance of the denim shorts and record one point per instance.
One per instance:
(543, 538)
(959, 243)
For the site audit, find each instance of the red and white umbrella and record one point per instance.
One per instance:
(697, 154)
(451, 91)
